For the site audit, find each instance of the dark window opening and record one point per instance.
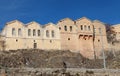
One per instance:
(34, 40)
(81, 27)
(50, 41)
(70, 28)
(16, 40)
(59, 28)
(19, 32)
(68, 38)
(89, 28)
(38, 32)
(53, 33)
(98, 40)
(35, 45)
(85, 38)
(65, 28)
(47, 33)
(34, 32)
(85, 27)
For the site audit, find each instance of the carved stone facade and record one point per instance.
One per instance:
(83, 35)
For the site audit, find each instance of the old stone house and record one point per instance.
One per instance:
(82, 35)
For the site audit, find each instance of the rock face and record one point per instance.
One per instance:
(46, 59)
(53, 59)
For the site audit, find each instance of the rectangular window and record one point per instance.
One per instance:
(19, 32)
(13, 32)
(47, 33)
(38, 32)
(81, 27)
(85, 27)
(29, 32)
(65, 28)
(34, 32)
(53, 34)
(70, 28)
(89, 28)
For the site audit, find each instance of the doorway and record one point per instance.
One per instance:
(35, 45)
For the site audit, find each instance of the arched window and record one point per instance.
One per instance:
(65, 28)
(85, 27)
(19, 32)
(13, 32)
(29, 32)
(89, 28)
(81, 27)
(38, 32)
(47, 33)
(53, 33)
(34, 32)
(70, 28)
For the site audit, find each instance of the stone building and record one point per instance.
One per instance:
(82, 35)
(116, 31)
(115, 40)
(32, 35)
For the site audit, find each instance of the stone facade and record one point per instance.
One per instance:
(116, 31)
(29, 36)
(82, 35)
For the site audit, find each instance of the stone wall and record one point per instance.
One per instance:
(58, 72)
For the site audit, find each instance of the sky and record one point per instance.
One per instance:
(45, 11)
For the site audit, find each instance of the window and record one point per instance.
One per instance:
(47, 33)
(85, 27)
(29, 32)
(34, 32)
(16, 40)
(13, 32)
(50, 41)
(59, 28)
(53, 33)
(38, 32)
(98, 40)
(81, 27)
(68, 38)
(65, 28)
(33, 40)
(35, 45)
(19, 32)
(89, 28)
(70, 28)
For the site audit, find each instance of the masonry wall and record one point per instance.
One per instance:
(82, 35)
(29, 38)
(85, 37)
(100, 41)
(51, 39)
(68, 33)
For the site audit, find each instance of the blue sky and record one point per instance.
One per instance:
(45, 11)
